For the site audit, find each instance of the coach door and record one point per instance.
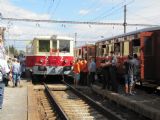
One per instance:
(147, 56)
(157, 55)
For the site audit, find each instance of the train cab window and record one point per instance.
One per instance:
(126, 48)
(136, 46)
(148, 43)
(64, 46)
(44, 45)
(54, 44)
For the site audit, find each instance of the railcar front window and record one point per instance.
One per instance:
(44, 46)
(64, 46)
(54, 45)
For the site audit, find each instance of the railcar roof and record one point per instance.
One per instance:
(53, 37)
(131, 33)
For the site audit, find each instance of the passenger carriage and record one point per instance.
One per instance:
(145, 43)
(50, 55)
(86, 51)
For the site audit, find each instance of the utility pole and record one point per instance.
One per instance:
(125, 23)
(75, 39)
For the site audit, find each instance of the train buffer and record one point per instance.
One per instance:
(145, 104)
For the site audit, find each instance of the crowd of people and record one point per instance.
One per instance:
(9, 71)
(85, 73)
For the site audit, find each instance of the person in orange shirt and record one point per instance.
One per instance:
(85, 72)
(81, 71)
(76, 70)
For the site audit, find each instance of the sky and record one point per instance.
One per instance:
(110, 11)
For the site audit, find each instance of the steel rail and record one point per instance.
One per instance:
(106, 112)
(56, 106)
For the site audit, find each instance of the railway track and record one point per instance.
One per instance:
(70, 104)
(45, 109)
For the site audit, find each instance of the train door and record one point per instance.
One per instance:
(157, 55)
(147, 57)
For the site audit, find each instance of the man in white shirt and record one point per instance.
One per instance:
(4, 69)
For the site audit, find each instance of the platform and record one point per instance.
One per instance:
(15, 102)
(147, 105)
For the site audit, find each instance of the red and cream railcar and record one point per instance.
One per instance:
(50, 55)
(145, 43)
(86, 51)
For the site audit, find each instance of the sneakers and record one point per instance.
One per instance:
(131, 94)
(134, 92)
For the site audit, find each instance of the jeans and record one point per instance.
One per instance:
(16, 77)
(129, 79)
(1, 93)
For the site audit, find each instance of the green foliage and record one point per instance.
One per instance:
(12, 50)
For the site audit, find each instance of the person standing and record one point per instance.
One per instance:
(16, 70)
(85, 71)
(129, 71)
(113, 71)
(136, 74)
(81, 64)
(4, 71)
(92, 71)
(105, 65)
(76, 70)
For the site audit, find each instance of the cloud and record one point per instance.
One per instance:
(84, 12)
(9, 10)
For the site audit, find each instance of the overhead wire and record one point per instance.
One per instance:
(70, 22)
(113, 9)
(56, 7)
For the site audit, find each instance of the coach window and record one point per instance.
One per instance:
(97, 50)
(110, 48)
(126, 48)
(64, 46)
(104, 50)
(79, 51)
(117, 48)
(44, 45)
(136, 46)
(107, 49)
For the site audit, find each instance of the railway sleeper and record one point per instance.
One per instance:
(75, 105)
(49, 115)
(78, 110)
